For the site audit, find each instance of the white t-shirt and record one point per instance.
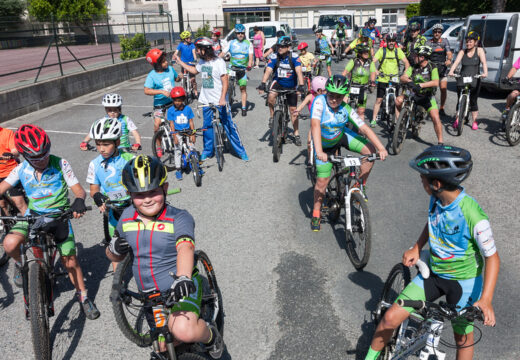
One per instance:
(211, 72)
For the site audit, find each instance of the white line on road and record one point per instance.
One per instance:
(136, 106)
(75, 133)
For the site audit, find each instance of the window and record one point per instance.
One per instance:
(328, 22)
(455, 32)
(269, 31)
(495, 30)
(389, 22)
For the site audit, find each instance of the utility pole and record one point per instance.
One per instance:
(181, 18)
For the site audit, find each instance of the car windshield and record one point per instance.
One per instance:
(329, 22)
(269, 31)
(429, 32)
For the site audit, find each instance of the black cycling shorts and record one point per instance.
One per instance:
(292, 98)
(381, 89)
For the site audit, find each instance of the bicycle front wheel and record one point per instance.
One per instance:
(277, 135)
(231, 93)
(212, 306)
(219, 145)
(462, 114)
(38, 305)
(3, 255)
(195, 169)
(513, 125)
(359, 238)
(129, 312)
(400, 131)
(168, 154)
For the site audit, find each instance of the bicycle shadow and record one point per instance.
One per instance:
(302, 154)
(9, 297)
(306, 200)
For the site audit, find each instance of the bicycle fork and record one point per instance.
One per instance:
(348, 194)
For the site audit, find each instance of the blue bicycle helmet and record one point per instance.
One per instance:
(239, 28)
(342, 20)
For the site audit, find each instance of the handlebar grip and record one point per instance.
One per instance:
(174, 191)
(423, 268)
(415, 304)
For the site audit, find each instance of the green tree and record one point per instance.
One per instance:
(11, 8)
(413, 10)
(203, 30)
(65, 10)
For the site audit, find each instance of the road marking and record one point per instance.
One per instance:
(77, 133)
(136, 106)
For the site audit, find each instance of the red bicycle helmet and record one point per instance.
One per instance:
(303, 45)
(153, 55)
(216, 32)
(177, 92)
(32, 141)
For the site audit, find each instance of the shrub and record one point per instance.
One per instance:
(133, 48)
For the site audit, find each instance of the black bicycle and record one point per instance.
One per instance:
(281, 118)
(387, 109)
(411, 117)
(38, 268)
(463, 112)
(512, 122)
(220, 139)
(132, 308)
(232, 72)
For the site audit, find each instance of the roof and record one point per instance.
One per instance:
(320, 3)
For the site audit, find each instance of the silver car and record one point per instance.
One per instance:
(451, 34)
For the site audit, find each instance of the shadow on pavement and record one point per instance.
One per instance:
(300, 159)
(8, 299)
(306, 199)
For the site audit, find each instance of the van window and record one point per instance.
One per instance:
(455, 32)
(476, 25)
(269, 31)
(328, 22)
(494, 35)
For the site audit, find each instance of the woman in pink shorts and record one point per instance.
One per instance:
(258, 45)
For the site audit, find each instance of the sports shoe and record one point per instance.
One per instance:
(159, 151)
(244, 157)
(90, 309)
(17, 276)
(474, 126)
(504, 114)
(297, 140)
(315, 224)
(373, 123)
(244, 112)
(178, 175)
(217, 348)
(203, 157)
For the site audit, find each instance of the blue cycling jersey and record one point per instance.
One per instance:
(324, 45)
(186, 51)
(240, 52)
(161, 81)
(107, 174)
(285, 75)
(180, 118)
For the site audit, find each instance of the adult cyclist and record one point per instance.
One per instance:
(341, 32)
(425, 79)
(413, 41)
(441, 58)
(287, 71)
(241, 56)
(330, 116)
(371, 26)
(363, 39)
(511, 98)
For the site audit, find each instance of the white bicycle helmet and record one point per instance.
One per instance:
(106, 129)
(112, 100)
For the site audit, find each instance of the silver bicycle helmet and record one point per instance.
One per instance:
(112, 100)
(106, 129)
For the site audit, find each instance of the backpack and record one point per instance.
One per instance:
(384, 57)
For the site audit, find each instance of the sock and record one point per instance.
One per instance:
(211, 338)
(244, 107)
(316, 213)
(372, 354)
(82, 295)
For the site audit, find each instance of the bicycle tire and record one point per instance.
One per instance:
(277, 135)
(211, 291)
(311, 167)
(400, 130)
(219, 146)
(397, 280)
(360, 220)
(333, 196)
(38, 305)
(231, 93)
(122, 279)
(461, 117)
(195, 169)
(106, 231)
(513, 125)
(168, 158)
(192, 356)
(3, 255)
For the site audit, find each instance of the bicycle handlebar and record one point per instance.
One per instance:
(369, 157)
(444, 310)
(189, 132)
(460, 76)
(31, 218)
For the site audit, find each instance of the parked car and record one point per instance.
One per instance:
(428, 34)
(427, 22)
(329, 19)
(451, 34)
(500, 38)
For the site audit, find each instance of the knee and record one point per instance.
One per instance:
(12, 242)
(70, 262)
(391, 320)
(183, 329)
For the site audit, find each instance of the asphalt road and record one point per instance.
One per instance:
(289, 293)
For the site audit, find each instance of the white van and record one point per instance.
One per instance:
(269, 28)
(329, 19)
(500, 39)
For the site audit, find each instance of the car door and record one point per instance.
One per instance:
(493, 41)
(452, 37)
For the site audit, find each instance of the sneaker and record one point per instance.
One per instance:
(159, 152)
(270, 123)
(178, 175)
(17, 276)
(245, 157)
(474, 126)
(244, 112)
(373, 123)
(442, 112)
(315, 224)
(217, 348)
(203, 157)
(297, 140)
(90, 309)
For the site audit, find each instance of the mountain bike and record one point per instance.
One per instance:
(463, 111)
(411, 117)
(319, 65)
(281, 118)
(340, 49)
(163, 137)
(356, 94)
(189, 155)
(387, 109)
(232, 72)
(512, 122)
(38, 268)
(420, 334)
(132, 309)
(346, 190)
(220, 139)
(187, 85)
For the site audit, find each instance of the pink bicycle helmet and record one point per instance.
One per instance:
(318, 83)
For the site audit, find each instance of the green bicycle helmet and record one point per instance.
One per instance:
(425, 51)
(362, 48)
(337, 84)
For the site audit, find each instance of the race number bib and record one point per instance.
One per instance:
(354, 90)
(232, 73)
(351, 162)
(304, 68)
(283, 73)
(322, 57)
(467, 79)
(116, 195)
(395, 79)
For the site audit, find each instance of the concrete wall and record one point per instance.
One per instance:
(23, 100)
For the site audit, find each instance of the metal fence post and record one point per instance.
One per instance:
(110, 40)
(56, 42)
(144, 31)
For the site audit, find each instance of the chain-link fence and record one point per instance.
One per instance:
(32, 51)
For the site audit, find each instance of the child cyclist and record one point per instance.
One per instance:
(104, 172)
(112, 104)
(159, 82)
(186, 51)
(180, 117)
(307, 60)
(46, 179)
(171, 248)
(459, 236)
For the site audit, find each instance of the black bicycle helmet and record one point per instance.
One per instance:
(319, 29)
(362, 48)
(414, 26)
(449, 164)
(284, 41)
(392, 36)
(280, 33)
(204, 42)
(144, 173)
(337, 84)
(473, 35)
(372, 20)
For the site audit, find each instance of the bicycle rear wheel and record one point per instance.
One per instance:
(168, 156)
(400, 130)
(513, 125)
(38, 305)
(277, 135)
(231, 93)
(311, 167)
(462, 114)
(219, 145)
(106, 231)
(212, 307)
(359, 238)
(397, 280)
(3, 255)
(129, 312)
(195, 169)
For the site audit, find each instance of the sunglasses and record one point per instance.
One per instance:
(37, 159)
(240, 33)
(437, 31)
